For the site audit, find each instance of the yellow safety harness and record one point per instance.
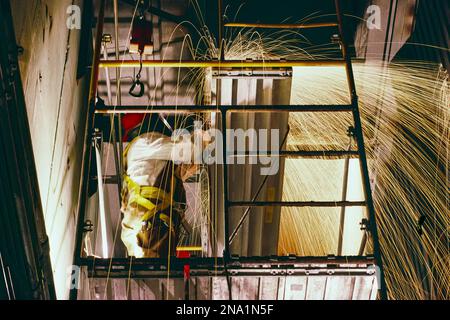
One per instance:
(151, 198)
(154, 199)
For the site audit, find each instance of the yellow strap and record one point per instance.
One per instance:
(143, 195)
(190, 248)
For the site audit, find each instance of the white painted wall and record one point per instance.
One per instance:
(54, 100)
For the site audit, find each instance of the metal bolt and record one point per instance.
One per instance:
(335, 38)
(364, 224)
(351, 131)
(88, 226)
(107, 38)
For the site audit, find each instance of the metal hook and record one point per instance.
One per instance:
(140, 93)
(138, 82)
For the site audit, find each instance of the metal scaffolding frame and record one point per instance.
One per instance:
(228, 262)
(157, 267)
(222, 64)
(280, 25)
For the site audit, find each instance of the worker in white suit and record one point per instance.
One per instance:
(153, 196)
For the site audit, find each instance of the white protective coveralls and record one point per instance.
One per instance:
(151, 160)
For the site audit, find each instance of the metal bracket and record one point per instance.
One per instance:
(365, 224)
(88, 226)
(336, 39)
(253, 73)
(351, 131)
(107, 38)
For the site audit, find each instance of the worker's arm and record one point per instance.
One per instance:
(184, 149)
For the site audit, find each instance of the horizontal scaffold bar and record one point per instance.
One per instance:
(281, 25)
(318, 204)
(218, 64)
(237, 266)
(219, 261)
(300, 153)
(238, 108)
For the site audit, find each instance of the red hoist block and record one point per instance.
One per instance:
(141, 37)
(129, 122)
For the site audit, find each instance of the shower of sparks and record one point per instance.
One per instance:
(405, 113)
